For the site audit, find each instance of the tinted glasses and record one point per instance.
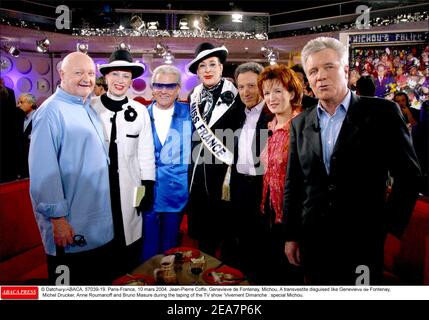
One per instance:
(167, 86)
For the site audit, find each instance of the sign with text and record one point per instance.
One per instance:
(365, 38)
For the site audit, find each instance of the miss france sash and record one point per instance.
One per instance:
(210, 141)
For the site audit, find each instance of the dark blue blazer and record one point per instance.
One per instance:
(172, 161)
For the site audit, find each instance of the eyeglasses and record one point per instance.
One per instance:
(167, 86)
(78, 240)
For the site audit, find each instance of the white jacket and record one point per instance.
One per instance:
(136, 160)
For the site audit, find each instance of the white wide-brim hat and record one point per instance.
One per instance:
(122, 60)
(206, 50)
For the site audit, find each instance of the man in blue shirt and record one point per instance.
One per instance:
(337, 209)
(69, 184)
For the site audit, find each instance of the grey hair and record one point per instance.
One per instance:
(321, 43)
(30, 99)
(166, 69)
(248, 67)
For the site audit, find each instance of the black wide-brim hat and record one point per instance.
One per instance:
(204, 51)
(122, 60)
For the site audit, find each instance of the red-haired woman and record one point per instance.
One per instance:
(282, 92)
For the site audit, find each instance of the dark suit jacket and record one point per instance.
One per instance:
(345, 215)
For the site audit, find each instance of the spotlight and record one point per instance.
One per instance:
(200, 23)
(273, 57)
(183, 23)
(124, 46)
(137, 23)
(266, 51)
(160, 49)
(197, 24)
(14, 51)
(82, 47)
(168, 57)
(43, 45)
(153, 25)
(236, 17)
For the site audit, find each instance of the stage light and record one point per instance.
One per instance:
(137, 23)
(43, 45)
(14, 51)
(82, 47)
(273, 58)
(266, 51)
(160, 49)
(124, 46)
(153, 25)
(168, 57)
(236, 17)
(183, 23)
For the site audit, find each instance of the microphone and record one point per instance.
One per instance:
(270, 133)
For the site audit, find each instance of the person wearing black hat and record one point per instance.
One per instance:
(215, 112)
(127, 128)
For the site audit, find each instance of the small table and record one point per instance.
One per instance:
(183, 272)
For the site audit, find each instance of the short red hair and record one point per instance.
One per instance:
(287, 78)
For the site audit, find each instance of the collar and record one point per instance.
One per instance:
(112, 97)
(29, 115)
(344, 104)
(72, 98)
(256, 109)
(215, 87)
(113, 105)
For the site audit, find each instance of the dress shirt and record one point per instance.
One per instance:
(330, 127)
(68, 163)
(246, 152)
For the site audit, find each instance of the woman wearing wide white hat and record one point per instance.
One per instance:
(215, 108)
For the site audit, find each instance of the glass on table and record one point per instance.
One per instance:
(196, 267)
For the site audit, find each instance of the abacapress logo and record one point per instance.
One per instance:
(20, 292)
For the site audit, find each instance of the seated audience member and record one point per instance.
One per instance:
(401, 98)
(27, 103)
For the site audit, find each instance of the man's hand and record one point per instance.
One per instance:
(63, 232)
(293, 253)
(147, 202)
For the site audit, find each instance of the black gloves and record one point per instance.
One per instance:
(147, 203)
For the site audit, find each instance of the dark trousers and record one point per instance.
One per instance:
(246, 194)
(126, 258)
(276, 269)
(92, 267)
(332, 255)
(209, 218)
